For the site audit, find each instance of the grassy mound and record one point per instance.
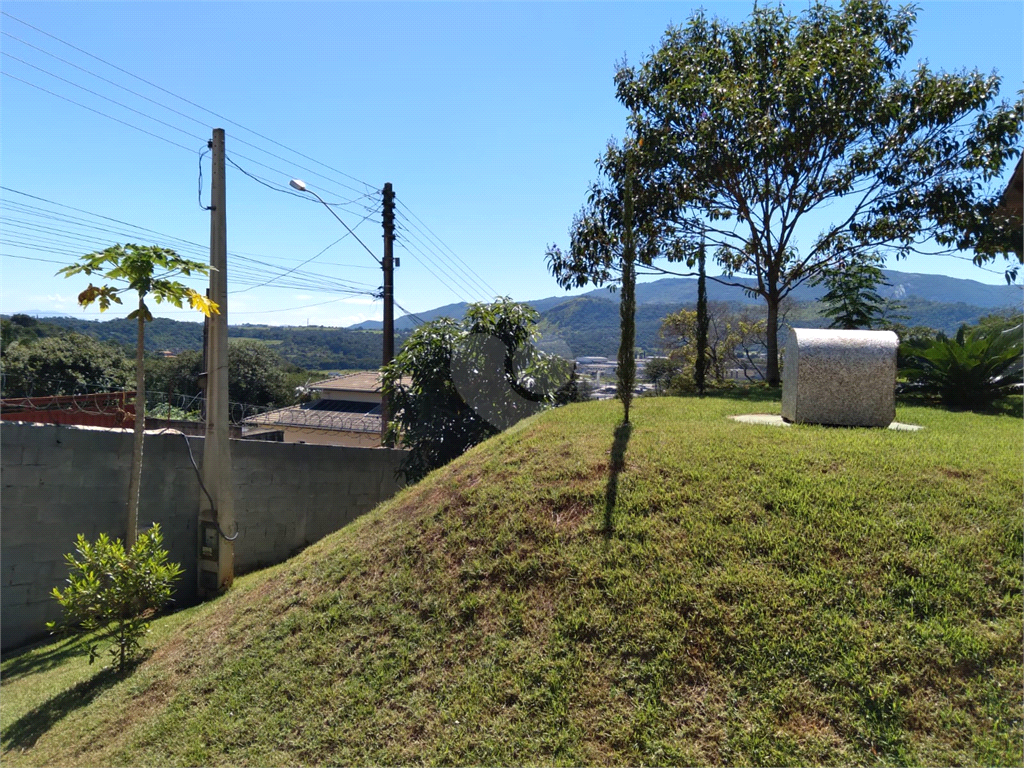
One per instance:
(691, 591)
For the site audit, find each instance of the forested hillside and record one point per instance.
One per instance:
(316, 347)
(571, 326)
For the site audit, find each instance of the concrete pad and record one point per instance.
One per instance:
(898, 427)
(775, 420)
(768, 419)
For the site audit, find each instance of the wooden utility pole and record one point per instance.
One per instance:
(216, 506)
(388, 265)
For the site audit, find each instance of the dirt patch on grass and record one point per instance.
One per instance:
(956, 474)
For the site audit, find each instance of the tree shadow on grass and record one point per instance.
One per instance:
(26, 730)
(615, 466)
(30, 660)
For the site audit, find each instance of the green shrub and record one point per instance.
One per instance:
(112, 594)
(972, 371)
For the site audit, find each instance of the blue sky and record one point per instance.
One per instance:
(486, 117)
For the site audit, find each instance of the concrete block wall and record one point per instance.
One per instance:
(61, 481)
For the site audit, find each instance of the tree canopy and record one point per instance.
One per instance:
(454, 384)
(740, 131)
(63, 365)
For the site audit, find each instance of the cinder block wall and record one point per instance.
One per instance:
(61, 481)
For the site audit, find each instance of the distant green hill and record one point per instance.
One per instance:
(576, 325)
(312, 347)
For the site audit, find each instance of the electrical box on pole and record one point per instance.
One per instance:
(217, 530)
(388, 265)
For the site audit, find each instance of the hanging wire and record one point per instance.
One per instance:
(201, 156)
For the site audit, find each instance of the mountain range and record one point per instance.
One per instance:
(968, 299)
(574, 326)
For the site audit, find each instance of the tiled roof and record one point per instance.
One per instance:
(364, 381)
(305, 417)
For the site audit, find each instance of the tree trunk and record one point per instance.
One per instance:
(772, 332)
(626, 368)
(135, 483)
(700, 369)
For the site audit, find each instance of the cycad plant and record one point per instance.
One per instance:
(972, 371)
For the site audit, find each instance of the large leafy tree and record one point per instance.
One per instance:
(454, 384)
(148, 271)
(62, 365)
(743, 131)
(256, 375)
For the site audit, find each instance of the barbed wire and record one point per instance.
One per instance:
(110, 398)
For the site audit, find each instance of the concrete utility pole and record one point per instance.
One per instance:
(389, 293)
(217, 512)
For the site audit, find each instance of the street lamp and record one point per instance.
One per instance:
(300, 185)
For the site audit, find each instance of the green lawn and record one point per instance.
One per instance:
(690, 591)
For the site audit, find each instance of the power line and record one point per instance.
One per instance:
(312, 258)
(439, 240)
(281, 188)
(236, 165)
(182, 98)
(425, 264)
(151, 101)
(105, 98)
(31, 258)
(449, 269)
(104, 114)
(185, 246)
(412, 315)
(474, 286)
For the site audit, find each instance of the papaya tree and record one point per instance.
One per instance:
(148, 271)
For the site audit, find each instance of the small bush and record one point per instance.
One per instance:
(112, 594)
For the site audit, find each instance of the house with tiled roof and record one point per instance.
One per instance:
(347, 412)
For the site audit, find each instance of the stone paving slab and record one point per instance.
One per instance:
(775, 420)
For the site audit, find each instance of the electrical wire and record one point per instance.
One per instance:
(283, 189)
(236, 165)
(426, 264)
(201, 155)
(184, 246)
(187, 101)
(213, 506)
(474, 286)
(412, 315)
(157, 103)
(32, 258)
(312, 258)
(439, 240)
(103, 114)
(451, 272)
(105, 98)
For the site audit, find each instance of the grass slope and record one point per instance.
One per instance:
(724, 594)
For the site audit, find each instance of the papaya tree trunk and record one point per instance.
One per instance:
(135, 483)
